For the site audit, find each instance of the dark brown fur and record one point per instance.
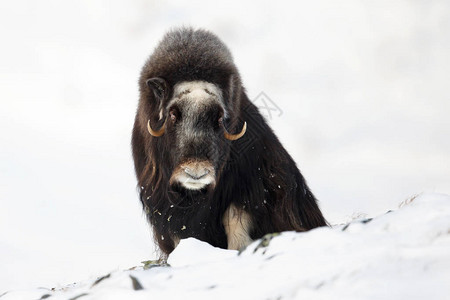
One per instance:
(255, 173)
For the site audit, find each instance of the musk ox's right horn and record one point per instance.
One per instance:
(233, 137)
(157, 133)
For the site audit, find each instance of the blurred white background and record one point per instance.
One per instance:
(363, 85)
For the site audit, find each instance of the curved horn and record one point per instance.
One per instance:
(158, 133)
(233, 137)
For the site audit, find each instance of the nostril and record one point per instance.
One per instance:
(196, 174)
(205, 172)
(189, 172)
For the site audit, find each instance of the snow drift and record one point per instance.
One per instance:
(403, 254)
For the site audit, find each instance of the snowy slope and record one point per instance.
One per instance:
(403, 254)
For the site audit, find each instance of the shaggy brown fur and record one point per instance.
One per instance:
(253, 175)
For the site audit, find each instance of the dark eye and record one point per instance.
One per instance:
(174, 114)
(220, 119)
(173, 117)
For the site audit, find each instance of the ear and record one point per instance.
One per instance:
(234, 93)
(159, 87)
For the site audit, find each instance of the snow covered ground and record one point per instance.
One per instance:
(363, 87)
(403, 254)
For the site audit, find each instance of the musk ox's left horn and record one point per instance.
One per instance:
(233, 137)
(157, 133)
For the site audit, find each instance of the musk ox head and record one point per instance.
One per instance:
(194, 117)
(189, 103)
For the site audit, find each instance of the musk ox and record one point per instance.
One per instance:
(208, 165)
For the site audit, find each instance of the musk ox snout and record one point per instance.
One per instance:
(194, 175)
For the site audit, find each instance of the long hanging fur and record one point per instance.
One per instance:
(256, 173)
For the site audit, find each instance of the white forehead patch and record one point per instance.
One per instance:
(198, 92)
(197, 89)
